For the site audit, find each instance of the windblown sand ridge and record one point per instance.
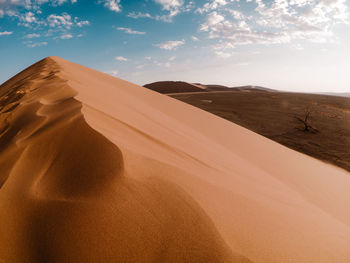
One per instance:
(96, 169)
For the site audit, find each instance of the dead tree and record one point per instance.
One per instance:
(305, 120)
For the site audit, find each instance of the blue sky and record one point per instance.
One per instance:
(298, 45)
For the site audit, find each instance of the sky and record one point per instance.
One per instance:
(296, 45)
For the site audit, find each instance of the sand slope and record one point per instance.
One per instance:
(96, 169)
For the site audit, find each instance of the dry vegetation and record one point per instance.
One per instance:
(317, 125)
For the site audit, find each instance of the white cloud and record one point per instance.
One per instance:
(276, 22)
(82, 23)
(64, 20)
(195, 38)
(130, 31)
(113, 5)
(170, 4)
(29, 17)
(33, 4)
(139, 15)
(223, 55)
(6, 33)
(57, 2)
(170, 45)
(66, 36)
(174, 7)
(214, 4)
(32, 45)
(121, 58)
(28, 14)
(165, 18)
(212, 20)
(33, 35)
(172, 58)
(237, 14)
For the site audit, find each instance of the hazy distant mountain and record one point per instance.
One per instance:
(255, 88)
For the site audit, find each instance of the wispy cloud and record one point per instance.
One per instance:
(130, 31)
(170, 45)
(173, 7)
(81, 23)
(224, 55)
(33, 35)
(37, 44)
(170, 4)
(11, 6)
(6, 33)
(121, 58)
(139, 15)
(194, 38)
(214, 4)
(66, 36)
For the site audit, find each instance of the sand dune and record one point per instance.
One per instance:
(96, 169)
(177, 87)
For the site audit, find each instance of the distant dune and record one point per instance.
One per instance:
(97, 169)
(170, 87)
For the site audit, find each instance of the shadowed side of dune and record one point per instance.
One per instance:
(66, 197)
(48, 142)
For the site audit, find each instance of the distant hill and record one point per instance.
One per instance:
(214, 87)
(345, 94)
(253, 88)
(174, 87)
(167, 87)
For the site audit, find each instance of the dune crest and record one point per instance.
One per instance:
(46, 137)
(97, 169)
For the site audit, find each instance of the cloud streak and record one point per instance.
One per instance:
(6, 33)
(130, 31)
(121, 58)
(170, 45)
